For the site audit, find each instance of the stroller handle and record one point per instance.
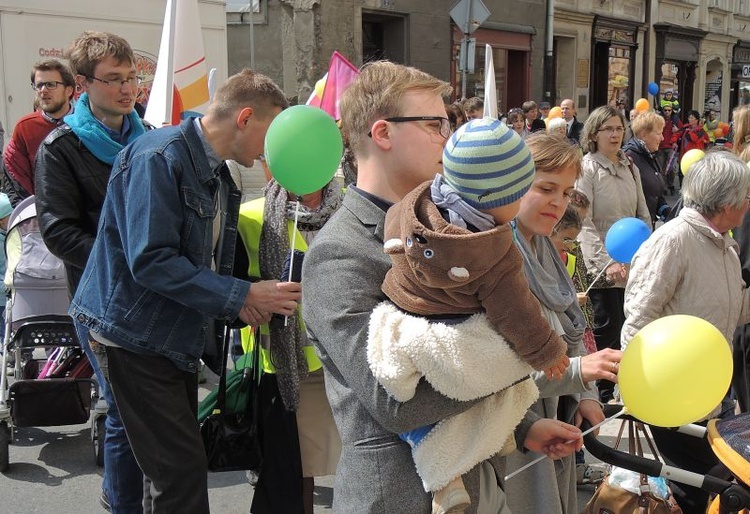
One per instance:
(650, 467)
(617, 457)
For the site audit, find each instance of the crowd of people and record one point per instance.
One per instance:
(163, 254)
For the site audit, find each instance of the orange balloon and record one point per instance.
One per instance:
(642, 105)
(724, 126)
(719, 132)
(555, 112)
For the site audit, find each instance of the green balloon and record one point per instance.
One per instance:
(303, 149)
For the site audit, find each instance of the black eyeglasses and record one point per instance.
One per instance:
(118, 83)
(51, 85)
(445, 124)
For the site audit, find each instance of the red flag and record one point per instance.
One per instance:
(340, 74)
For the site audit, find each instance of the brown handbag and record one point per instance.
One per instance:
(611, 499)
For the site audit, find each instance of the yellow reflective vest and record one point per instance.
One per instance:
(249, 227)
(571, 264)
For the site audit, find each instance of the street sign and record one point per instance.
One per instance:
(746, 71)
(467, 55)
(469, 15)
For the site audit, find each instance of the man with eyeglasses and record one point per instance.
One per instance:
(53, 85)
(72, 171)
(392, 118)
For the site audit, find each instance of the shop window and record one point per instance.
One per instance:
(475, 81)
(383, 37)
(669, 81)
(618, 76)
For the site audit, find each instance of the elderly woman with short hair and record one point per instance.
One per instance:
(557, 127)
(690, 266)
(641, 149)
(614, 188)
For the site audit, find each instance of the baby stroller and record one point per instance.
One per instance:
(729, 440)
(36, 317)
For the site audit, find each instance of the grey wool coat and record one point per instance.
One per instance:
(341, 276)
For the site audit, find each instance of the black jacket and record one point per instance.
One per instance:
(70, 185)
(651, 176)
(575, 130)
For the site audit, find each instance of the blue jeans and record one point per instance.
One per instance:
(123, 478)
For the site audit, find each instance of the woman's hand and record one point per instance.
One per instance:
(617, 273)
(590, 410)
(602, 364)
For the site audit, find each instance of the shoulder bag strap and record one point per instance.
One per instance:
(221, 397)
(254, 379)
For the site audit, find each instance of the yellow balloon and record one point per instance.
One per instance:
(675, 371)
(690, 158)
(642, 105)
(555, 112)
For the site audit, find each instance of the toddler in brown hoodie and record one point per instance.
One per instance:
(454, 256)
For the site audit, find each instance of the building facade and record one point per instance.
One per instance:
(293, 40)
(602, 51)
(699, 49)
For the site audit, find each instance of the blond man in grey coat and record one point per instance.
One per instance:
(394, 119)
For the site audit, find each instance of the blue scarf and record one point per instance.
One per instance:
(90, 131)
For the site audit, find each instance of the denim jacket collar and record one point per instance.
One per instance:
(203, 168)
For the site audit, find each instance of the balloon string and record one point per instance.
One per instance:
(541, 458)
(599, 275)
(291, 245)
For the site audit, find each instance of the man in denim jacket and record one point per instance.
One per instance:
(159, 276)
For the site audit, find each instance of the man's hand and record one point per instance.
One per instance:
(553, 438)
(267, 297)
(253, 317)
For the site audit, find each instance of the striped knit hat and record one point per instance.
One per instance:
(487, 164)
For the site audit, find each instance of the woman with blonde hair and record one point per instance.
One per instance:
(614, 188)
(741, 128)
(741, 234)
(648, 131)
(573, 397)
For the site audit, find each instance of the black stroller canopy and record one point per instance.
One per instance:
(730, 441)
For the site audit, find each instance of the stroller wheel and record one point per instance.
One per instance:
(97, 439)
(4, 447)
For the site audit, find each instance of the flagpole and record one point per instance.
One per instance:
(170, 63)
(252, 35)
(291, 245)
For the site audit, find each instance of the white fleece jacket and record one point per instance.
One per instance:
(466, 361)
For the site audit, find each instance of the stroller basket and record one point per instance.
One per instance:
(52, 402)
